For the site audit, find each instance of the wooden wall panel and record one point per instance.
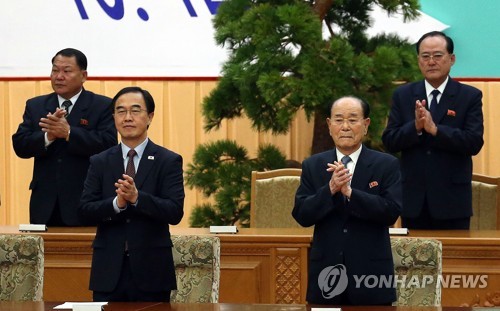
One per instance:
(4, 149)
(178, 125)
(491, 109)
(486, 162)
(19, 170)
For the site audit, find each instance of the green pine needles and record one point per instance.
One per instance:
(222, 171)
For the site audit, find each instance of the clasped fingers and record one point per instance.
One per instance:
(126, 188)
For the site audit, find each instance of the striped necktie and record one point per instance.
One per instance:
(66, 104)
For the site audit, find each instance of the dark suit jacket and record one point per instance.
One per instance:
(356, 233)
(437, 169)
(60, 169)
(145, 227)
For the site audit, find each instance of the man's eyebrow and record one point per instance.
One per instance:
(353, 114)
(63, 66)
(132, 106)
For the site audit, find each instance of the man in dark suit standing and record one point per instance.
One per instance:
(61, 131)
(437, 142)
(351, 195)
(132, 259)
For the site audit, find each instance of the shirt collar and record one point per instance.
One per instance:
(354, 156)
(429, 88)
(139, 149)
(72, 99)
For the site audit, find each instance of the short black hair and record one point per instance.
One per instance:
(364, 104)
(148, 99)
(449, 42)
(81, 59)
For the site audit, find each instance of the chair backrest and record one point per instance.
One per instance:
(485, 202)
(197, 268)
(273, 197)
(21, 267)
(418, 265)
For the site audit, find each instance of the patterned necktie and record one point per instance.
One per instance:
(66, 104)
(130, 170)
(434, 103)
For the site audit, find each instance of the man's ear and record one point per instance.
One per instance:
(84, 75)
(150, 115)
(452, 59)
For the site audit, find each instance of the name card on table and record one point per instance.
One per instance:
(32, 227)
(223, 229)
(398, 231)
(82, 306)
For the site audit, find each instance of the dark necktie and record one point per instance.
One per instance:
(345, 160)
(434, 103)
(66, 104)
(130, 170)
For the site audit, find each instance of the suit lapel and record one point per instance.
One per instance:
(79, 110)
(329, 157)
(447, 100)
(51, 104)
(419, 94)
(147, 162)
(361, 177)
(116, 162)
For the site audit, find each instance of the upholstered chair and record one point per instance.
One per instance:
(418, 265)
(273, 197)
(197, 268)
(485, 203)
(21, 267)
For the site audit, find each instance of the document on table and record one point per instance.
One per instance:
(82, 306)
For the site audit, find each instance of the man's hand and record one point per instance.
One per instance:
(55, 125)
(429, 125)
(420, 115)
(340, 180)
(126, 191)
(423, 119)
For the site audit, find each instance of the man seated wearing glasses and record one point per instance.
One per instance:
(133, 192)
(437, 125)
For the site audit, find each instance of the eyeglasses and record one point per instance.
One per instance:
(341, 121)
(428, 56)
(133, 112)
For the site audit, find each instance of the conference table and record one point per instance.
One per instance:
(268, 266)
(152, 306)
